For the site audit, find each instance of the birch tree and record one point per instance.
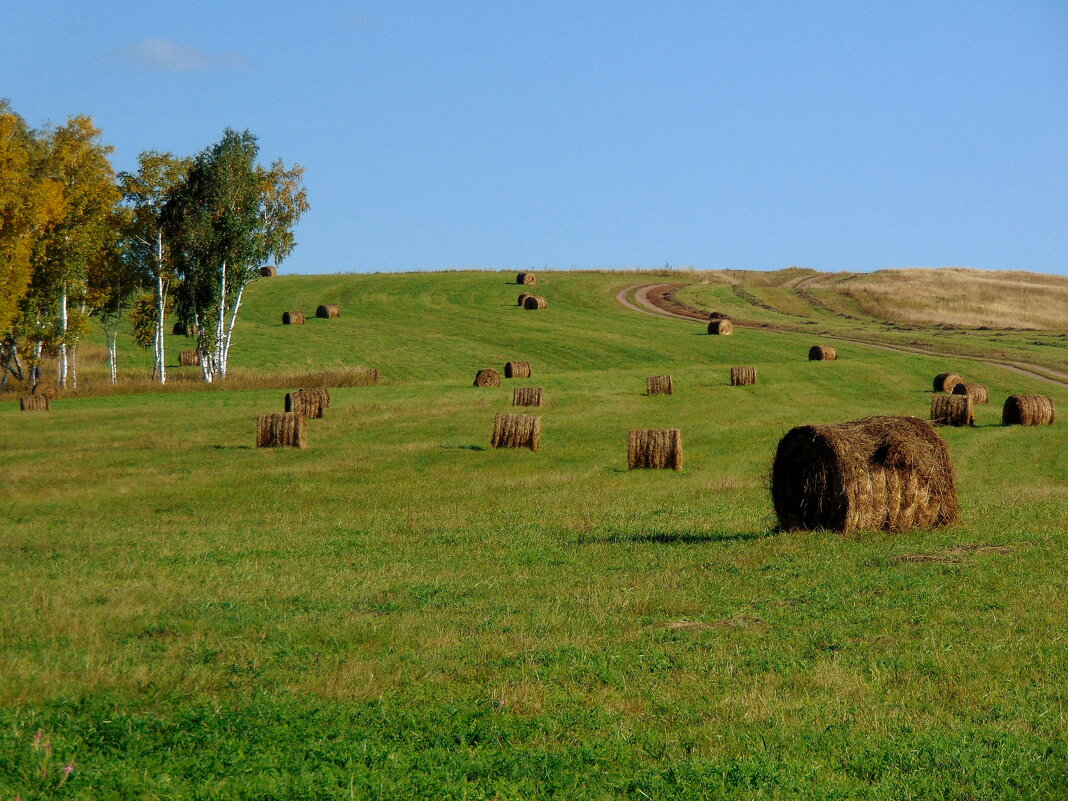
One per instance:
(144, 194)
(226, 219)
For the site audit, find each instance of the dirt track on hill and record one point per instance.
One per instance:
(659, 300)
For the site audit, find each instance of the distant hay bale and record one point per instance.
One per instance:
(287, 430)
(655, 449)
(1028, 410)
(718, 316)
(517, 370)
(294, 317)
(659, 385)
(328, 311)
(523, 298)
(188, 358)
(945, 382)
(34, 403)
(885, 473)
(180, 329)
(487, 378)
(976, 390)
(822, 353)
(516, 431)
(952, 410)
(526, 279)
(308, 402)
(268, 271)
(741, 376)
(721, 326)
(534, 303)
(527, 396)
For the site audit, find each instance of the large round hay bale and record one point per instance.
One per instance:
(268, 271)
(887, 473)
(655, 449)
(188, 358)
(952, 410)
(527, 396)
(34, 403)
(517, 370)
(1028, 410)
(295, 317)
(487, 378)
(659, 385)
(328, 311)
(945, 382)
(533, 302)
(308, 402)
(822, 353)
(516, 431)
(974, 389)
(741, 376)
(718, 316)
(523, 298)
(526, 279)
(721, 326)
(288, 430)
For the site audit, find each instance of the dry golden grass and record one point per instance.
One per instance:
(962, 297)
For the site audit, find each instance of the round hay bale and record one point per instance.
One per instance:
(976, 390)
(534, 302)
(268, 271)
(523, 298)
(886, 473)
(487, 378)
(288, 430)
(34, 403)
(188, 358)
(822, 353)
(654, 449)
(718, 316)
(526, 279)
(952, 410)
(721, 326)
(527, 396)
(516, 431)
(944, 382)
(328, 311)
(517, 370)
(659, 385)
(1028, 410)
(742, 376)
(294, 317)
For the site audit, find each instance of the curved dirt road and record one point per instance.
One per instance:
(653, 299)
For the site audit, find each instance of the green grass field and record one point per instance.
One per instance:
(400, 611)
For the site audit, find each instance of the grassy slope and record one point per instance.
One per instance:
(400, 612)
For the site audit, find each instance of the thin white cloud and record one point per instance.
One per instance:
(163, 55)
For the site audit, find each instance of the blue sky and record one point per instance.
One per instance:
(838, 136)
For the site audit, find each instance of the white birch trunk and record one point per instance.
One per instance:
(74, 366)
(113, 367)
(161, 310)
(63, 338)
(230, 331)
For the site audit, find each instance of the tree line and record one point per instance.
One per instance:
(80, 242)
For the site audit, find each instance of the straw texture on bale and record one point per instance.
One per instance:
(516, 431)
(295, 317)
(188, 358)
(659, 385)
(974, 389)
(268, 271)
(523, 298)
(952, 410)
(308, 402)
(34, 403)
(721, 326)
(328, 311)
(657, 449)
(886, 473)
(822, 353)
(718, 316)
(287, 430)
(740, 376)
(945, 382)
(526, 279)
(527, 396)
(533, 302)
(517, 370)
(487, 378)
(1028, 410)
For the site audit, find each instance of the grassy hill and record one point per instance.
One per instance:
(400, 611)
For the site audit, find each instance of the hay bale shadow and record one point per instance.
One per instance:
(463, 447)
